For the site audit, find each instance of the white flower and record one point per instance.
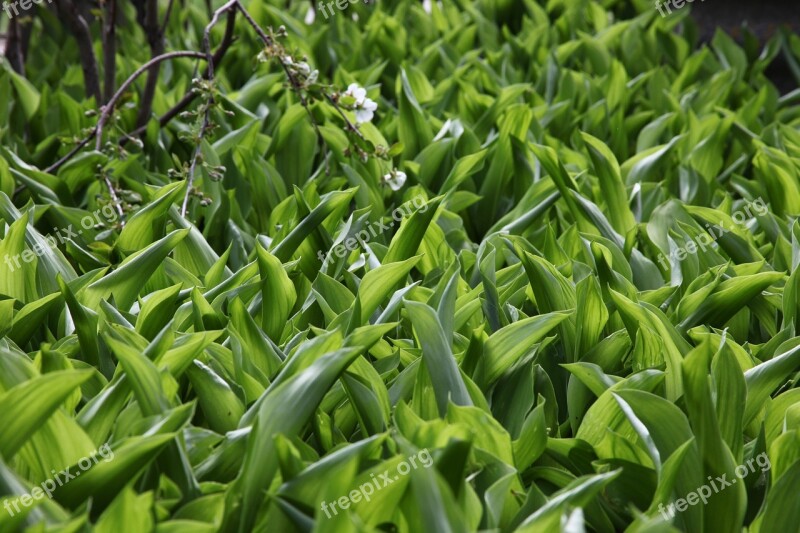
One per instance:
(359, 94)
(364, 107)
(366, 112)
(395, 179)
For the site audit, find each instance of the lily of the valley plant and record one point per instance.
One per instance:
(444, 230)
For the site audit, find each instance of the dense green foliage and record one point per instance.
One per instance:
(589, 310)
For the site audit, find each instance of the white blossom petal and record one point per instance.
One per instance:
(369, 105)
(360, 94)
(363, 115)
(395, 179)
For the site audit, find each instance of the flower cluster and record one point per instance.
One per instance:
(304, 80)
(301, 70)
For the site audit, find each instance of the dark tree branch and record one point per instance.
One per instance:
(109, 48)
(26, 25)
(108, 109)
(156, 40)
(227, 40)
(14, 52)
(214, 60)
(80, 29)
(163, 30)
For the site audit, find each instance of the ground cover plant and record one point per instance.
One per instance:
(494, 265)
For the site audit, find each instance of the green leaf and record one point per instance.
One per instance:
(24, 408)
(507, 346)
(438, 357)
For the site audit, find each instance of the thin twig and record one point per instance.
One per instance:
(190, 95)
(269, 42)
(352, 127)
(296, 86)
(109, 107)
(206, 113)
(163, 29)
(114, 199)
(193, 168)
(261, 33)
(55, 166)
(230, 6)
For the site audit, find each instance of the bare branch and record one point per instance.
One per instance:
(156, 40)
(80, 30)
(55, 166)
(109, 48)
(261, 33)
(206, 118)
(193, 168)
(14, 47)
(108, 109)
(190, 95)
(164, 24)
(229, 6)
(296, 86)
(352, 127)
(292, 79)
(114, 199)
